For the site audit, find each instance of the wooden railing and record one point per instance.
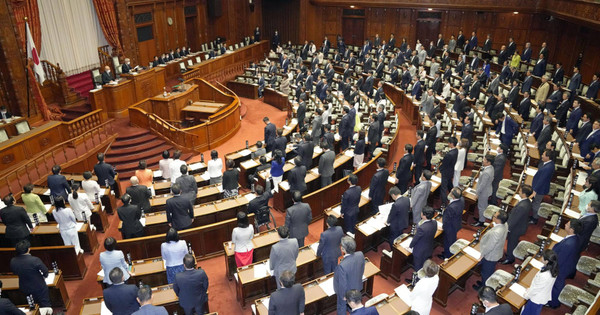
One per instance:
(51, 71)
(105, 56)
(56, 88)
(82, 124)
(179, 138)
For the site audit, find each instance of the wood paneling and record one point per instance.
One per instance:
(288, 26)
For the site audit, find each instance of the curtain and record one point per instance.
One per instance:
(105, 9)
(71, 34)
(29, 9)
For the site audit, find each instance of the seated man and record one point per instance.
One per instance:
(107, 77)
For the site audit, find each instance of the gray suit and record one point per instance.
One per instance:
(348, 276)
(189, 188)
(259, 152)
(317, 125)
(484, 189)
(297, 219)
(326, 167)
(427, 104)
(283, 257)
(492, 242)
(494, 85)
(418, 199)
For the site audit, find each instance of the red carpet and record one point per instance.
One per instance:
(81, 83)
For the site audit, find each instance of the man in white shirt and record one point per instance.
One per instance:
(163, 165)
(175, 165)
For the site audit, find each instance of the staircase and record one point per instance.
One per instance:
(74, 111)
(82, 83)
(135, 145)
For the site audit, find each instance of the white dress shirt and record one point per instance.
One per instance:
(540, 291)
(80, 205)
(172, 252)
(422, 294)
(242, 238)
(215, 168)
(164, 167)
(91, 188)
(174, 168)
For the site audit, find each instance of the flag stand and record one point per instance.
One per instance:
(27, 80)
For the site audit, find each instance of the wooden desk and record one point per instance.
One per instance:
(317, 301)
(10, 125)
(509, 296)
(69, 262)
(199, 112)
(162, 188)
(205, 194)
(150, 271)
(261, 243)
(169, 107)
(243, 89)
(147, 83)
(57, 290)
(47, 234)
(19, 148)
(277, 99)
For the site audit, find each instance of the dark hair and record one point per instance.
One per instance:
(259, 144)
(229, 163)
(408, 148)
(595, 204)
(214, 154)
(166, 154)
(431, 268)
(287, 278)
(110, 244)
(74, 190)
(144, 293)
(262, 159)
(283, 231)
(116, 275)
(331, 220)
(259, 189)
(487, 294)
(427, 174)
(189, 261)
(502, 216)
(381, 162)
(490, 158)
(353, 179)
(395, 191)
(59, 202)
(142, 165)
(527, 189)
(22, 247)
(242, 219)
(550, 154)
(100, 156)
(576, 226)
(87, 175)
(361, 135)
(176, 189)
(265, 119)
(279, 156)
(453, 141)
(428, 213)
(504, 147)
(56, 169)
(172, 235)
(552, 262)
(353, 296)
(176, 154)
(297, 196)
(126, 198)
(28, 188)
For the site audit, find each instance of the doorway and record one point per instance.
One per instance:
(353, 31)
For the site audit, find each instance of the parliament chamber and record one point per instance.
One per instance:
(299, 157)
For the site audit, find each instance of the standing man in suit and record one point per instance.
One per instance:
(554, 99)
(528, 81)
(7, 307)
(452, 220)
(589, 222)
(575, 82)
(419, 196)
(139, 194)
(397, 219)
(377, 185)
(296, 177)
(297, 218)
(373, 134)
(506, 129)
(58, 183)
(484, 187)
(289, 297)
(489, 300)
(499, 164)
(568, 254)
(191, 286)
(419, 156)
(301, 113)
(416, 90)
(105, 172)
(350, 202)
(326, 160)
(329, 245)
(120, 298)
(430, 140)
(545, 134)
(16, 220)
(188, 185)
(592, 137)
(130, 215)
(573, 122)
(592, 92)
(473, 40)
(423, 241)
(144, 298)
(348, 274)
(467, 132)
(306, 150)
(447, 169)
(562, 110)
(584, 129)
(525, 106)
(517, 223)
(32, 273)
(559, 74)
(492, 247)
(283, 254)
(541, 183)
(403, 172)
(180, 211)
(540, 66)
(346, 128)
(270, 131)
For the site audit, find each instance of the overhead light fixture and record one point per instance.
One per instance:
(516, 12)
(351, 7)
(429, 9)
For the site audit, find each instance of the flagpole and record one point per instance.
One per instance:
(27, 74)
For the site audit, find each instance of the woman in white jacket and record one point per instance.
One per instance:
(446, 89)
(540, 291)
(460, 161)
(422, 294)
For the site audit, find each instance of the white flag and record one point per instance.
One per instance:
(33, 55)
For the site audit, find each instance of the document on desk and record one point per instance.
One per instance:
(314, 247)
(78, 225)
(337, 210)
(47, 193)
(349, 153)
(205, 176)
(436, 179)
(260, 271)
(572, 214)
(157, 173)
(265, 302)
(406, 244)
(104, 310)
(318, 150)
(47, 206)
(367, 229)
(143, 221)
(327, 286)
(530, 171)
(385, 209)
(365, 193)
(50, 278)
(220, 188)
(403, 293)
(582, 178)
(249, 196)
(245, 152)
(284, 185)
(439, 225)
(555, 237)
(249, 164)
(536, 264)
(196, 166)
(269, 155)
(472, 252)
(518, 289)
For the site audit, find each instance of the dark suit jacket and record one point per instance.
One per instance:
(545, 136)
(559, 75)
(590, 223)
(437, 86)
(573, 121)
(568, 253)
(16, 220)
(125, 68)
(583, 132)
(377, 186)
(373, 134)
(104, 172)
(540, 68)
(8, 308)
(467, 133)
(348, 274)
(329, 243)
(296, 178)
(297, 219)
(121, 299)
(524, 108)
(350, 201)
(398, 216)
(422, 242)
(592, 91)
(499, 164)
(518, 217)
(140, 196)
(180, 212)
(286, 301)
(107, 77)
(536, 125)
(372, 310)
(280, 144)
(452, 217)
(191, 286)
(150, 309)
(502, 309)
(510, 129)
(31, 271)
(306, 151)
(301, 113)
(586, 144)
(526, 84)
(542, 178)
(416, 90)
(403, 172)
(130, 215)
(419, 153)
(189, 187)
(448, 162)
(270, 132)
(431, 137)
(326, 163)
(58, 186)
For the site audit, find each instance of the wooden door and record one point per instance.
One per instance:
(353, 31)
(428, 30)
(192, 33)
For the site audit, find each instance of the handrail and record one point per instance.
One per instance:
(51, 71)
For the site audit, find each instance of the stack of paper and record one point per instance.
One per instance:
(318, 150)
(337, 137)
(269, 155)
(50, 278)
(555, 237)
(103, 309)
(47, 206)
(157, 173)
(472, 252)
(327, 286)
(581, 178)
(205, 176)
(365, 193)
(265, 302)
(385, 209)
(367, 229)
(250, 197)
(315, 171)
(249, 163)
(530, 171)
(439, 225)
(314, 247)
(495, 141)
(220, 187)
(260, 271)
(518, 289)
(196, 166)
(143, 221)
(337, 210)
(436, 179)
(536, 264)
(404, 293)
(78, 225)
(471, 191)
(47, 193)
(284, 185)
(245, 152)
(572, 213)
(406, 244)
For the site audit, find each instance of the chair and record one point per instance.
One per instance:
(572, 295)
(580, 310)
(498, 279)
(458, 245)
(374, 300)
(96, 76)
(524, 249)
(264, 217)
(489, 212)
(587, 265)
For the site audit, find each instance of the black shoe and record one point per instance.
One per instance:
(533, 221)
(552, 307)
(477, 286)
(408, 280)
(507, 262)
(477, 224)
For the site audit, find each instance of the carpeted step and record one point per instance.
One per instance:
(134, 141)
(114, 152)
(138, 155)
(132, 133)
(127, 170)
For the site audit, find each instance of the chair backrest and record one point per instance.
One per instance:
(198, 60)
(262, 215)
(182, 66)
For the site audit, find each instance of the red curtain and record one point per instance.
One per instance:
(29, 9)
(105, 9)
